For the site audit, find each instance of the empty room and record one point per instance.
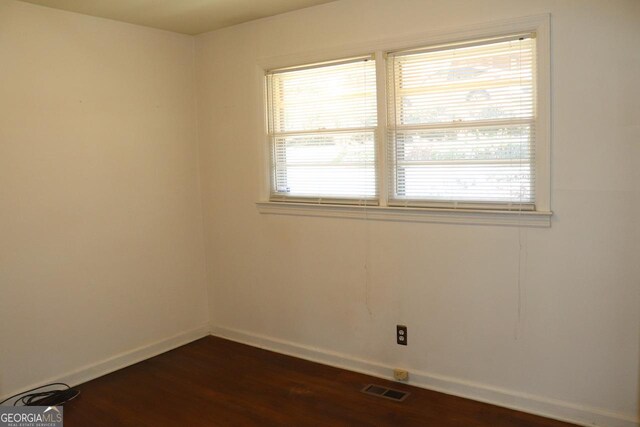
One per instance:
(320, 213)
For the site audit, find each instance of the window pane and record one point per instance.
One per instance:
(327, 165)
(330, 97)
(474, 83)
(472, 165)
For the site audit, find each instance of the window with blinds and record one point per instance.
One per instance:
(322, 123)
(461, 125)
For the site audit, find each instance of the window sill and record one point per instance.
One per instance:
(437, 215)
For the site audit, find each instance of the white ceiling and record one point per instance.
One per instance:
(182, 16)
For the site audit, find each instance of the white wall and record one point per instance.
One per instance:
(334, 289)
(101, 247)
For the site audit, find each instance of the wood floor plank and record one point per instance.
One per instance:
(216, 382)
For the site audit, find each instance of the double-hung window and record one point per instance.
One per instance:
(322, 127)
(462, 121)
(458, 126)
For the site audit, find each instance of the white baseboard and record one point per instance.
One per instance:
(119, 361)
(550, 408)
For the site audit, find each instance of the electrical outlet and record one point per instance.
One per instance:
(401, 334)
(401, 375)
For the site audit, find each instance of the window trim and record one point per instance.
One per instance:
(539, 24)
(409, 214)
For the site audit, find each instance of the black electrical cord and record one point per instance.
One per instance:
(44, 398)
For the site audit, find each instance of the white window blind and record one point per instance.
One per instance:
(322, 122)
(461, 125)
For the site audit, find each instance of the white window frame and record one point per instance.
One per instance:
(540, 217)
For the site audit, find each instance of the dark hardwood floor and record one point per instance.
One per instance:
(215, 382)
